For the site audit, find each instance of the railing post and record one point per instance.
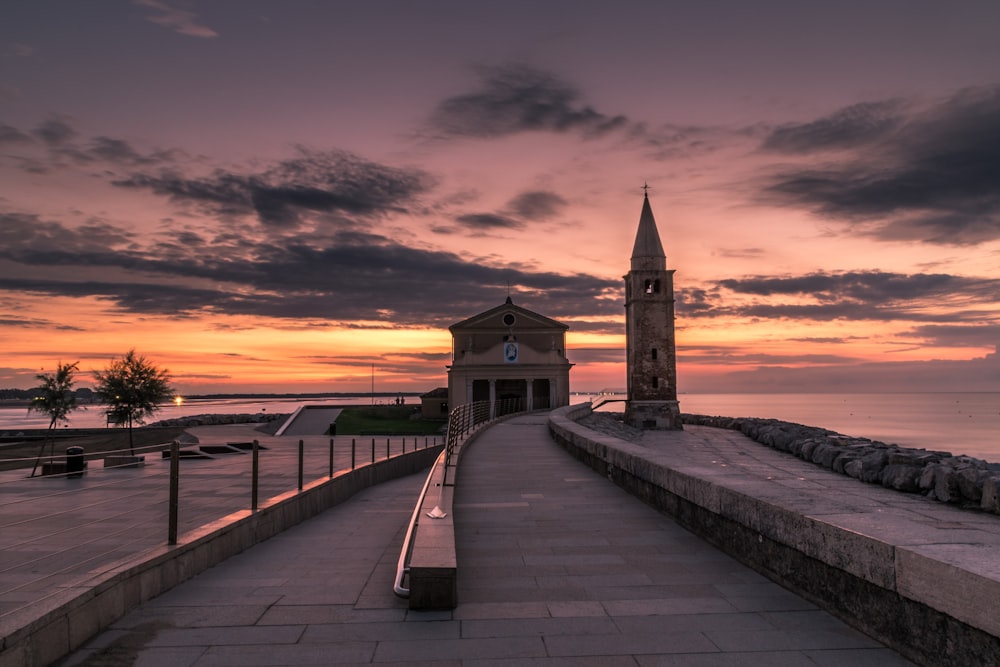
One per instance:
(175, 455)
(373, 450)
(254, 475)
(301, 456)
(331, 458)
(353, 449)
(387, 449)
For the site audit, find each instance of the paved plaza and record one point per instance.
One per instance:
(556, 566)
(55, 532)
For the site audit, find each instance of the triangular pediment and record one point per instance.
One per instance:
(500, 319)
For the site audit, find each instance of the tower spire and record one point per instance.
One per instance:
(647, 253)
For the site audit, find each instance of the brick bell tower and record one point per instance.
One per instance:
(649, 329)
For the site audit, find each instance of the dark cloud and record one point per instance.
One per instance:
(933, 179)
(488, 221)
(62, 147)
(958, 335)
(12, 135)
(869, 286)
(27, 239)
(35, 323)
(855, 295)
(518, 98)
(313, 181)
(55, 131)
(536, 205)
(531, 206)
(351, 276)
(981, 374)
(411, 366)
(728, 357)
(119, 151)
(849, 127)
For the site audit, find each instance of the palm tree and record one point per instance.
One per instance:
(56, 399)
(133, 389)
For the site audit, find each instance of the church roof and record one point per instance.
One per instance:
(647, 253)
(493, 319)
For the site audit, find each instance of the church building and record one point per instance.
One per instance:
(509, 352)
(649, 329)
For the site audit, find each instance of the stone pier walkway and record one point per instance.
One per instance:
(556, 566)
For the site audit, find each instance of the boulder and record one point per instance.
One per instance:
(991, 494)
(902, 477)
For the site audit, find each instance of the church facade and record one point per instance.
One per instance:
(509, 352)
(649, 329)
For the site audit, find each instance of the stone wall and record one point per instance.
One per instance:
(921, 587)
(959, 480)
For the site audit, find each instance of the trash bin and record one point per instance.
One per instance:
(75, 464)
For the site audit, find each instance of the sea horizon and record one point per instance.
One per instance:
(958, 422)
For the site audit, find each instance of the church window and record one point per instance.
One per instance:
(656, 286)
(648, 286)
(654, 354)
(656, 382)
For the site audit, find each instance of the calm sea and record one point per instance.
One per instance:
(93, 415)
(962, 423)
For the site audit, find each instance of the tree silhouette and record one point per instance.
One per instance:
(133, 389)
(56, 399)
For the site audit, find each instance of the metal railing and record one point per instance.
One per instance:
(309, 463)
(463, 421)
(138, 508)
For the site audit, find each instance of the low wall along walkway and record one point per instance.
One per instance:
(921, 577)
(40, 636)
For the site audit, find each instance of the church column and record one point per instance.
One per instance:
(493, 398)
(530, 395)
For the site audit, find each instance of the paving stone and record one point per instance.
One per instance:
(557, 566)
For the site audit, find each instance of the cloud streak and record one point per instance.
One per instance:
(854, 295)
(349, 276)
(929, 175)
(517, 98)
(312, 182)
(180, 21)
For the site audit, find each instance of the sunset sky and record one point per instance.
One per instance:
(273, 196)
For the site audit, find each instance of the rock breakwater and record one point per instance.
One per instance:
(220, 419)
(940, 475)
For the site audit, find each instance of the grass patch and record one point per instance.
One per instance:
(386, 420)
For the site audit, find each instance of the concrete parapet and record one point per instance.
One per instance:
(42, 633)
(927, 592)
(433, 563)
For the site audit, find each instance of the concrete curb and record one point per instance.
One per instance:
(44, 632)
(433, 559)
(932, 602)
